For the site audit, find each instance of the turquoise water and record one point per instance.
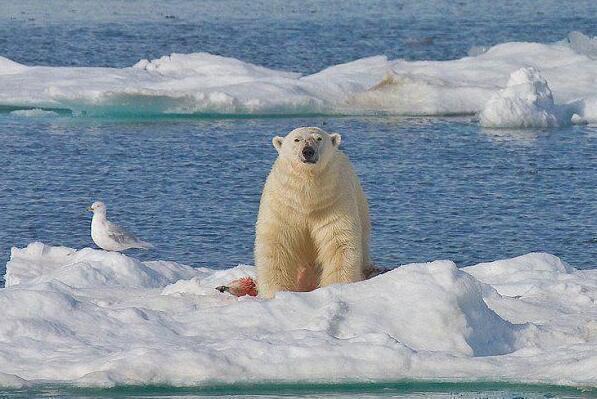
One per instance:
(438, 187)
(435, 390)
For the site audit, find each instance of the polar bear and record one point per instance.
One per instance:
(313, 224)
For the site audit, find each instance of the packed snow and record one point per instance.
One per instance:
(203, 83)
(526, 101)
(95, 318)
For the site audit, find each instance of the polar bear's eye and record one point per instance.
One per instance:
(297, 140)
(319, 138)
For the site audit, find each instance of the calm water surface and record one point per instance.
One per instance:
(295, 35)
(438, 188)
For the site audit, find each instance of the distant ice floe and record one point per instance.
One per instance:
(96, 318)
(207, 84)
(34, 113)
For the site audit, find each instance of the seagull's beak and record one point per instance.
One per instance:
(89, 209)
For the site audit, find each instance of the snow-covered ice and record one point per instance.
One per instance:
(203, 83)
(526, 101)
(91, 317)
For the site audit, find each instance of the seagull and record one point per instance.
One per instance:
(110, 236)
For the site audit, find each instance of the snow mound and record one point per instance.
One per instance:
(94, 318)
(526, 102)
(207, 84)
(212, 67)
(89, 268)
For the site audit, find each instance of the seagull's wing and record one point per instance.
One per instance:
(121, 235)
(126, 238)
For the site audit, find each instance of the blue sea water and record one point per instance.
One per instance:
(438, 187)
(293, 35)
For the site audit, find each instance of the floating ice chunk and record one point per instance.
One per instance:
(34, 113)
(585, 110)
(203, 83)
(583, 44)
(526, 102)
(97, 318)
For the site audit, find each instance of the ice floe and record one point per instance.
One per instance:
(34, 113)
(207, 84)
(91, 317)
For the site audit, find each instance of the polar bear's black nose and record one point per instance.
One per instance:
(308, 152)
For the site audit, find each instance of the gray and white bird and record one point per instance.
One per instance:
(110, 236)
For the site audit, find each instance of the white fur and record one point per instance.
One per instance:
(313, 224)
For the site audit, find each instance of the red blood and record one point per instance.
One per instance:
(305, 282)
(242, 286)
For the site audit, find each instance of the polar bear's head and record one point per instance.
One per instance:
(308, 146)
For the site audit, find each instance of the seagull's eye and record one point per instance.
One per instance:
(319, 138)
(297, 140)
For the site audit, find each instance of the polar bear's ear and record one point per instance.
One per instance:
(277, 142)
(336, 139)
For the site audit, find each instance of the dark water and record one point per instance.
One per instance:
(438, 188)
(295, 35)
